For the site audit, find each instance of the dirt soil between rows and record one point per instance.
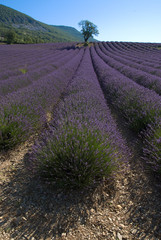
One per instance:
(125, 207)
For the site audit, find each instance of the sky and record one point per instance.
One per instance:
(117, 20)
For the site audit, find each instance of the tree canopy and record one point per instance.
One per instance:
(88, 29)
(11, 36)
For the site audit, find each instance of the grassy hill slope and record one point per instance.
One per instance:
(29, 30)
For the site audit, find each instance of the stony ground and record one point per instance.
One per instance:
(127, 207)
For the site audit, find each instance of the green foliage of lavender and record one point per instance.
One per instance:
(24, 111)
(139, 105)
(136, 72)
(152, 146)
(83, 144)
(74, 157)
(86, 145)
(16, 124)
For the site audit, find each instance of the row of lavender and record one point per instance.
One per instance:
(132, 61)
(36, 71)
(17, 60)
(145, 57)
(141, 49)
(25, 111)
(83, 144)
(150, 56)
(143, 78)
(12, 53)
(140, 106)
(15, 57)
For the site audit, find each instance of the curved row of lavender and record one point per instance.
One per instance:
(16, 57)
(152, 136)
(141, 49)
(148, 57)
(28, 59)
(10, 53)
(34, 73)
(129, 61)
(142, 78)
(152, 145)
(139, 70)
(145, 58)
(83, 144)
(138, 60)
(143, 53)
(25, 111)
(140, 106)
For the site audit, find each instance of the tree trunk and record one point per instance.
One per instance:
(85, 39)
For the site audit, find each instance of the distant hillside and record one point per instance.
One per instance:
(29, 30)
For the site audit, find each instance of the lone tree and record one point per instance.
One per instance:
(88, 29)
(11, 36)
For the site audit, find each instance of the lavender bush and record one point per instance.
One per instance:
(74, 156)
(34, 70)
(25, 111)
(145, 59)
(152, 146)
(83, 144)
(140, 106)
(143, 78)
(17, 122)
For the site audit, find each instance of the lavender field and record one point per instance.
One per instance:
(80, 141)
(66, 92)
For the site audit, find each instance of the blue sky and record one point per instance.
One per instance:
(117, 20)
